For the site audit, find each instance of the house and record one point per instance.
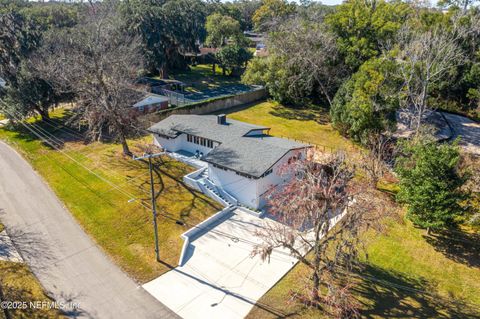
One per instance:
(242, 159)
(151, 103)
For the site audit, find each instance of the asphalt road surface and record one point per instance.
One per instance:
(467, 130)
(72, 269)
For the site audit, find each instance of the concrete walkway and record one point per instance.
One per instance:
(69, 265)
(187, 158)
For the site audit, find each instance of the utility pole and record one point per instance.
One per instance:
(152, 189)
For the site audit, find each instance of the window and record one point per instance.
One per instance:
(244, 175)
(200, 140)
(267, 172)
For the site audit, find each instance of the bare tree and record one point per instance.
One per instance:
(97, 62)
(311, 50)
(424, 59)
(320, 210)
(375, 160)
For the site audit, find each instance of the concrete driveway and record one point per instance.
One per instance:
(70, 266)
(220, 279)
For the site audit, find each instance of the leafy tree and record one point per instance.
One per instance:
(233, 58)
(220, 28)
(270, 11)
(363, 27)
(19, 37)
(310, 49)
(430, 182)
(30, 94)
(462, 4)
(96, 62)
(272, 73)
(243, 11)
(22, 29)
(366, 103)
(167, 28)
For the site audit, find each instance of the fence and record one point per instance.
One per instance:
(175, 98)
(319, 147)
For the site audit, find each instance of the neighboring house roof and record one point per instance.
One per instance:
(251, 155)
(151, 99)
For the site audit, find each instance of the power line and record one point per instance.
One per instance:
(165, 215)
(169, 217)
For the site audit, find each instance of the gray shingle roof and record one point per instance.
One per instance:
(252, 155)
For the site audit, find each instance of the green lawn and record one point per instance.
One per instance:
(312, 126)
(404, 264)
(18, 284)
(112, 212)
(200, 78)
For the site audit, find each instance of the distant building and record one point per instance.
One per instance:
(151, 103)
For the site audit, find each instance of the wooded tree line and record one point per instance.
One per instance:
(92, 53)
(364, 60)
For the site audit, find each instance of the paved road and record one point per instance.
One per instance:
(69, 265)
(468, 131)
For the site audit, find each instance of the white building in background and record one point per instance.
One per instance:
(243, 159)
(151, 103)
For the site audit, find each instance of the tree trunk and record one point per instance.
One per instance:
(43, 113)
(126, 149)
(213, 68)
(223, 71)
(428, 231)
(315, 287)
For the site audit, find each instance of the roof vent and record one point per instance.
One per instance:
(221, 119)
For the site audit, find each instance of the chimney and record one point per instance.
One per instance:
(221, 119)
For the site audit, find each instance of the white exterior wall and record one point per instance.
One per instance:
(248, 191)
(169, 144)
(242, 188)
(276, 177)
(181, 143)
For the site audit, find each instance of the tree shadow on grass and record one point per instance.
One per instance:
(53, 133)
(458, 246)
(389, 294)
(318, 115)
(163, 168)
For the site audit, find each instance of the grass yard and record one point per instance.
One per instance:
(112, 212)
(408, 274)
(312, 126)
(200, 78)
(18, 284)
